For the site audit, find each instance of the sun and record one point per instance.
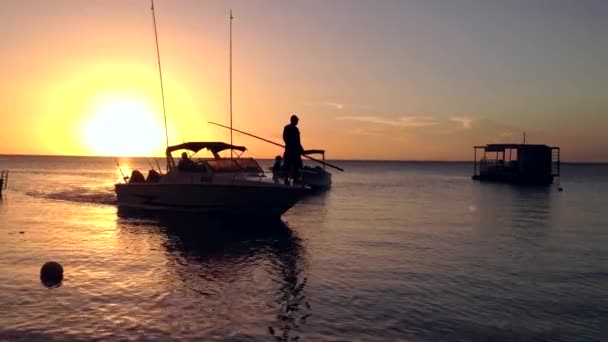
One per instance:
(123, 126)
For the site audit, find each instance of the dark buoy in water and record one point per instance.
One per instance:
(51, 274)
(560, 189)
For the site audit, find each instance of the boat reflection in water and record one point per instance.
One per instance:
(244, 274)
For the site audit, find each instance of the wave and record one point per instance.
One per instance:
(79, 195)
(62, 172)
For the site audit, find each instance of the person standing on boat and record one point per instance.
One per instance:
(292, 159)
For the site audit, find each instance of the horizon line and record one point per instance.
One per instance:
(271, 158)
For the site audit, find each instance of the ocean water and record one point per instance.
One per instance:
(393, 252)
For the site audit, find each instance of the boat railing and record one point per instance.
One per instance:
(487, 164)
(555, 162)
(3, 179)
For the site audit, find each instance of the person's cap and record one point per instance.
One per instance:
(294, 117)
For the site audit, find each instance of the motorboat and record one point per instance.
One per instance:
(218, 185)
(317, 177)
(235, 186)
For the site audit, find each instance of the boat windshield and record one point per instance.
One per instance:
(234, 165)
(248, 165)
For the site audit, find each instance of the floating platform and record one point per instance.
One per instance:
(523, 164)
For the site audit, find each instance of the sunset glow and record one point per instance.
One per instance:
(440, 78)
(123, 127)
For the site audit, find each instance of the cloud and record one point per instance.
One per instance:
(367, 132)
(505, 137)
(332, 104)
(455, 124)
(444, 131)
(404, 121)
(338, 106)
(463, 120)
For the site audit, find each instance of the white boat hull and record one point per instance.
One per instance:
(243, 200)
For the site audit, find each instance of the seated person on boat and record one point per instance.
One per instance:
(186, 164)
(277, 169)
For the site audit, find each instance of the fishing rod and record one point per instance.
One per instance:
(124, 178)
(158, 165)
(231, 17)
(150, 164)
(277, 144)
(160, 71)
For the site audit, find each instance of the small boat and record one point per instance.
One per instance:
(528, 164)
(318, 178)
(233, 186)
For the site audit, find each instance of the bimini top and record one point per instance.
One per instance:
(213, 147)
(502, 147)
(313, 152)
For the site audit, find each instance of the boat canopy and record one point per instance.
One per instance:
(213, 147)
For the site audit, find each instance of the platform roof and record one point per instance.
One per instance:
(502, 147)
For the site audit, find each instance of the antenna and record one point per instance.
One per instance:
(160, 72)
(524, 137)
(231, 17)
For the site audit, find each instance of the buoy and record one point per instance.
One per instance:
(51, 274)
(560, 189)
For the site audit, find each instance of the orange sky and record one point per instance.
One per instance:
(416, 80)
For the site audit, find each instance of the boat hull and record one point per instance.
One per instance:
(513, 178)
(316, 178)
(226, 199)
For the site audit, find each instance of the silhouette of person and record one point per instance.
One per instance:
(185, 164)
(293, 150)
(276, 168)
